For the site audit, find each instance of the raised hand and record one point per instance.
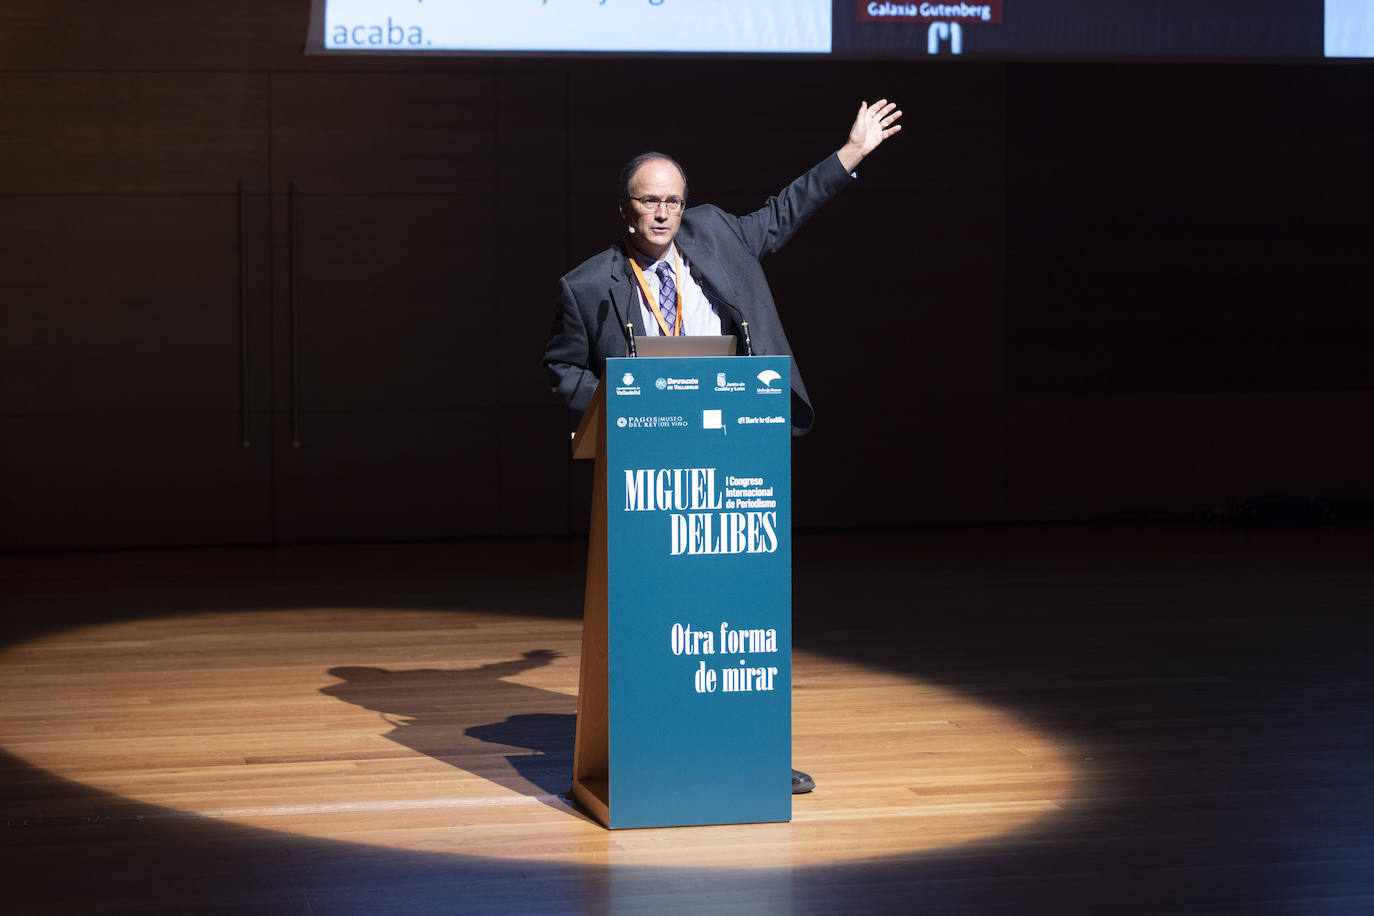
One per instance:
(873, 124)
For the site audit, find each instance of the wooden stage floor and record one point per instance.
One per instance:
(1127, 719)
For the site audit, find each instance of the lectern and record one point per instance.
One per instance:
(684, 712)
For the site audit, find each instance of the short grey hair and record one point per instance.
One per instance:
(627, 174)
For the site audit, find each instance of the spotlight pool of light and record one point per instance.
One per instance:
(445, 731)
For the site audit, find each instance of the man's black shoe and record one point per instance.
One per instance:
(801, 783)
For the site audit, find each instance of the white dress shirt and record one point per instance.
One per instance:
(699, 316)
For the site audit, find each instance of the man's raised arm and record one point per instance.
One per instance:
(871, 127)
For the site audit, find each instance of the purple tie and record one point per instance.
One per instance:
(667, 295)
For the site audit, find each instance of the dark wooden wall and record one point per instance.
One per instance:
(1065, 291)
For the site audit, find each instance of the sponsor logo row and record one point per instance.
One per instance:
(629, 386)
(710, 419)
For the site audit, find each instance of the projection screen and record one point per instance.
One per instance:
(1293, 30)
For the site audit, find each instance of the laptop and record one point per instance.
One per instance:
(681, 345)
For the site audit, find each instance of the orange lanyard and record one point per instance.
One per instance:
(652, 301)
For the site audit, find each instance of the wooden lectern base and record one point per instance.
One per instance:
(591, 754)
(595, 798)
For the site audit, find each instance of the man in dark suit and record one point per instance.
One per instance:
(693, 271)
(697, 271)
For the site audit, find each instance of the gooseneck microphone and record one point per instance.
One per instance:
(629, 326)
(748, 344)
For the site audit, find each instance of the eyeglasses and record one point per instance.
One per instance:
(651, 204)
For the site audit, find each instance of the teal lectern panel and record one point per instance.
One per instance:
(699, 567)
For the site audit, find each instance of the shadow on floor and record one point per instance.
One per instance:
(440, 713)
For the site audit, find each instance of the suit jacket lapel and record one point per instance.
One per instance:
(622, 293)
(714, 280)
